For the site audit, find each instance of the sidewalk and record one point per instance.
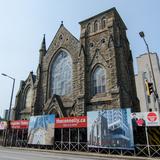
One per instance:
(91, 154)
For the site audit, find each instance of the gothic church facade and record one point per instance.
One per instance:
(75, 76)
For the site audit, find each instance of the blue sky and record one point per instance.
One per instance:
(23, 23)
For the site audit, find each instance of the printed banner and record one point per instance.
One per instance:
(41, 130)
(71, 122)
(110, 128)
(145, 119)
(19, 124)
(3, 125)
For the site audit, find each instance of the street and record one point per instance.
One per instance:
(15, 154)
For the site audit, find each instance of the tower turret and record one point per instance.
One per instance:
(42, 50)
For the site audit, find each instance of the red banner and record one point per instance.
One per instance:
(19, 124)
(71, 122)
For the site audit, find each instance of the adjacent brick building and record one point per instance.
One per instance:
(75, 76)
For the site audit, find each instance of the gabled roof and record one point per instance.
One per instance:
(32, 77)
(62, 29)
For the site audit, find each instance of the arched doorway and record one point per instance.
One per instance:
(55, 112)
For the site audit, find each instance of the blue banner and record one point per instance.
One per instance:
(41, 130)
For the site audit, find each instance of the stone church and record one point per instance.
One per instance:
(75, 76)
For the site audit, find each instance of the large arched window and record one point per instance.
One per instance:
(61, 74)
(98, 81)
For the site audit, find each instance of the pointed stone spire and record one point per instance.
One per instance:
(42, 50)
(43, 45)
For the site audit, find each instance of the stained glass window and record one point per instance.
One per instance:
(61, 74)
(98, 80)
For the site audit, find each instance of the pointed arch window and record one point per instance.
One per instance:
(98, 81)
(29, 97)
(89, 28)
(61, 74)
(95, 26)
(103, 22)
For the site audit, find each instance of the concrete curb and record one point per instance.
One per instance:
(82, 153)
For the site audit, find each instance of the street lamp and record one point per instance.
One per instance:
(142, 35)
(9, 111)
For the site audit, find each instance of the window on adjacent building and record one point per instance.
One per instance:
(148, 98)
(61, 74)
(98, 80)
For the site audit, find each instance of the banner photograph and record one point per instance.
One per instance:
(110, 128)
(41, 130)
(3, 125)
(145, 119)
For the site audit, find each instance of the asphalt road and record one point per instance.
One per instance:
(14, 154)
